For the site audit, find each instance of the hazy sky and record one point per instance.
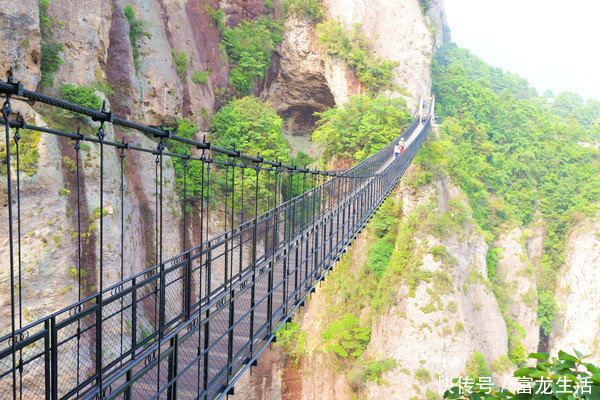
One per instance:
(554, 44)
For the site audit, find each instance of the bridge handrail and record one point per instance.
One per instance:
(371, 176)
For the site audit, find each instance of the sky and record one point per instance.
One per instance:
(554, 44)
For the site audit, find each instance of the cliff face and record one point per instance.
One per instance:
(439, 23)
(578, 323)
(466, 317)
(398, 31)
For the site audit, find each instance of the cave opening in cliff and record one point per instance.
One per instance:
(300, 120)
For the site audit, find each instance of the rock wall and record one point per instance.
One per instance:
(398, 31)
(578, 323)
(49, 229)
(21, 41)
(468, 319)
(439, 23)
(520, 252)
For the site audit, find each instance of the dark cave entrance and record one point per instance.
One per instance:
(300, 120)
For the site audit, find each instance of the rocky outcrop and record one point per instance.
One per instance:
(21, 41)
(120, 71)
(578, 323)
(83, 32)
(47, 247)
(301, 82)
(440, 341)
(398, 31)
(439, 23)
(519, 250)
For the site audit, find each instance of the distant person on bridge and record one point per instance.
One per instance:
(399, 148)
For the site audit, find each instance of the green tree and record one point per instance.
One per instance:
(347, 337)
(310, 9)
(249, 46)
(361, 127)
(252, 127)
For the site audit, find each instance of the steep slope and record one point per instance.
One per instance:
(578, 323)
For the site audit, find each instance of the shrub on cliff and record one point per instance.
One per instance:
(347, 337)
(361, 127)
(252, 127)
(136, 31)
(310, 9)
(353, 48)
(249, 46)
(84, 96)
(50, 49)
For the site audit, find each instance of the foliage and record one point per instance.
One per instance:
(423, 375)
(514, 156)
(50, 49)
(425, 6)
(477, 366)
(193, 176)
(217, 15)
(249, 46)
(201, 78)
(517, 353)
(361, 127)
(269, 5)
(476, 70)
(28, 153)
(547, 310)
(309, 9)
(380, 255)
(136, 31)
(251, 126)
(45, 20)
(291, 340)
(51, 61)
(353, 49)
(373, 370)
(565, 377)
(81, 95)
(385, 229)
(181, 63)
(347, 337)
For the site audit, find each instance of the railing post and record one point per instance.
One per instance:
(54, 358)
(172, 369)
(207, 317)
(127, 394)
(133, 317)
(47, 359)
(188, 285)
(254, 244)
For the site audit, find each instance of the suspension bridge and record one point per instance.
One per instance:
(191, 324)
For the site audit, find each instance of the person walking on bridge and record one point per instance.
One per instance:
(399, 148)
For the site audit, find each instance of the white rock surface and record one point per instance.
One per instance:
(578, 292)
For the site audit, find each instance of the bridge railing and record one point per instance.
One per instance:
(189, 325)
